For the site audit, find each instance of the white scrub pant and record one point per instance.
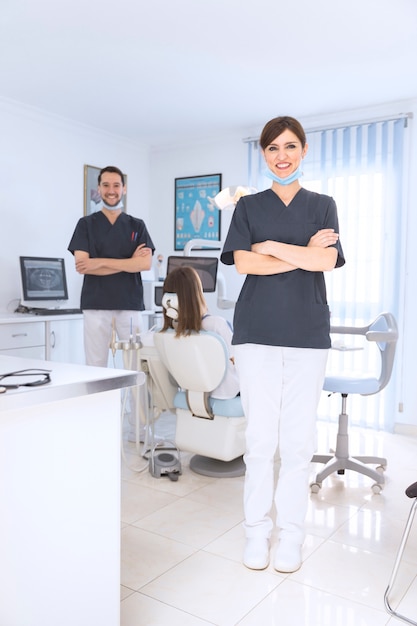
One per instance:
(98, 326)
(280, 390)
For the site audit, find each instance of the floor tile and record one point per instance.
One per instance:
(212, 588)
(350, 573)
(377, 532)
(140, 610)
(194, 523)
(294, 604)
(138, 501)
(145, 556)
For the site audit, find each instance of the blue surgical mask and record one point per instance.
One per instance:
(284, 181)
(118, 206)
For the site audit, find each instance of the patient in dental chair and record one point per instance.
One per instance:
(185, 310)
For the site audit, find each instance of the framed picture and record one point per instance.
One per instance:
(196, 215)
(92, 198)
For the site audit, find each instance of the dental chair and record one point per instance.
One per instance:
(383, 333)
(212, 429)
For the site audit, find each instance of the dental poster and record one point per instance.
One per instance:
(196, 215)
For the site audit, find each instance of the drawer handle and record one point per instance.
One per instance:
(20, 335)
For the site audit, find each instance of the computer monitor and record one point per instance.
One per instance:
(43, 281)
(158, 294)
(206, 268)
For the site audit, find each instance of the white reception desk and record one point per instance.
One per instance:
(60, 496)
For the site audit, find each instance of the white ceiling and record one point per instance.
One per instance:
(165, 71)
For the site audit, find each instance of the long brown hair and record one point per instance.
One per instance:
(186, 283)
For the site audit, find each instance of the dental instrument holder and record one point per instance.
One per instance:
(131, 346)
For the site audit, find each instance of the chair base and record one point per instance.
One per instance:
(341, 459)
(217, 469)
(355, 463)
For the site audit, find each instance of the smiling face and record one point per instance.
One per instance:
(111, 188)
(284, 154)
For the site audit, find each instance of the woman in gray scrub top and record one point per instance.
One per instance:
(282, 239)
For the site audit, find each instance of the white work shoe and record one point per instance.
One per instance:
(287, 557)
(256, 554)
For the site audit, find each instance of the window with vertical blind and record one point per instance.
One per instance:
(361, 166)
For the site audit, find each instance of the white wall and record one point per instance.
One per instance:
(226, 155)
(42, 188)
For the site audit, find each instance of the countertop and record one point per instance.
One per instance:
(67, 381)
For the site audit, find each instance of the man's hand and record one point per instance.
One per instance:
(85, 265)
(142, 251)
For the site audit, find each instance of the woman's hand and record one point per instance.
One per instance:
(323, 238)
(263, 247)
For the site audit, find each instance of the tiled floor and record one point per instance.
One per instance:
(182, 546)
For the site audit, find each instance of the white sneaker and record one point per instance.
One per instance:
(256, 554)
(287, 556)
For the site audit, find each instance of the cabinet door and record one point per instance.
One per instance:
(34, 352)
(66, 341)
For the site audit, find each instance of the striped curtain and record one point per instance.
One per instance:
(362, 167)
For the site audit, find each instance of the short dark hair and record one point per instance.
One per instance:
(113, 170)
(276, 126)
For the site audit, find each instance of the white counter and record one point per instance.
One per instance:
(60, 496)
(50, 337)
(53, 337)
(13, 318)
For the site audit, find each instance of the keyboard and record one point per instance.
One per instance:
(55, 311)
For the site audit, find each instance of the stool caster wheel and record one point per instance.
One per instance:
(377, 488)
(315, 487)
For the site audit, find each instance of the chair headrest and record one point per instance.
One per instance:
(170, 304)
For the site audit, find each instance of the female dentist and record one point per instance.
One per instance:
(283, 239)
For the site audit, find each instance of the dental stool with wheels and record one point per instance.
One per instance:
(411, 492)
(383, 331)
(212, 429)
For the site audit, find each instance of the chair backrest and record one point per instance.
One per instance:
(384, 332)
(198, 362)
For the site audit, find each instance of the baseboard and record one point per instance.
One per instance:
(410, 430)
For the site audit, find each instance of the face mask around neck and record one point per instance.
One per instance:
(118, 206)
(284, 181)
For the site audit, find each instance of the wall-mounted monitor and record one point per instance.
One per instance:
(206, 268)
(43, 281)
